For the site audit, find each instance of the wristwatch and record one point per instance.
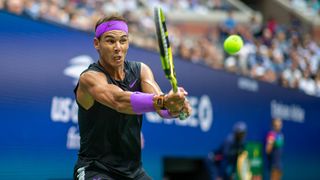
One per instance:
(158, 102)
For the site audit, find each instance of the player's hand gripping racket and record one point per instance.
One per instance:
(165, 51)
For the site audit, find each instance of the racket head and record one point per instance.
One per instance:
(165, 48)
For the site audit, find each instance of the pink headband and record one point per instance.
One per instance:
(111, 25)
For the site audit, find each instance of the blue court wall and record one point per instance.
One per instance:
(39, 137)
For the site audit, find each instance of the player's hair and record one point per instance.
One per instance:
(111, 17)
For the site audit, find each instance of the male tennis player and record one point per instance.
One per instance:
(112, 95)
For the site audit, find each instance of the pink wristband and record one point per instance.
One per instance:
(166, 114)
(142, 102)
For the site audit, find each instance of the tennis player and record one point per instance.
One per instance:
(112, 95)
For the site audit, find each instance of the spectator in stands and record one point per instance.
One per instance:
(55, 14)
(291, 75)
(272, 25)
(248, 49)
(277, 57)
(317, 82)
(32, 9)
(196, 53)
(231, 64)
(15, 6)
(255, 26)
(229, 25)
(2, 4)
(267, 36)
(274, 149)
(184, 50)
(281, 43)
(306, 83)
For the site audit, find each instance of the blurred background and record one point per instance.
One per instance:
(45, 45)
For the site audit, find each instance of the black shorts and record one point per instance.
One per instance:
(89, 174)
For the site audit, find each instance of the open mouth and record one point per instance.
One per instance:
(117, 58)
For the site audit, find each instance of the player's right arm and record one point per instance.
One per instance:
(94, 86)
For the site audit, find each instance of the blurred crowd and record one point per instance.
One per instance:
(282, 54)
(82, 14)
(310, 6)
(275, 53)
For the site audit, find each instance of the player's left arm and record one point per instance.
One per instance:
(149, 85)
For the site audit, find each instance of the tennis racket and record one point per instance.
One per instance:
(165, 51)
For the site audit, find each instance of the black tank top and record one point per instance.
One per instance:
(110, 140)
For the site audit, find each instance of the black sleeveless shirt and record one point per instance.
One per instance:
(110, 140)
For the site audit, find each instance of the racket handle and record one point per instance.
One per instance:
(174, 85)
(175, 89)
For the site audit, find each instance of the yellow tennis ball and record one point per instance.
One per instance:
(233, 44)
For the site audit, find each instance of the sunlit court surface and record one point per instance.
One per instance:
(255, 99)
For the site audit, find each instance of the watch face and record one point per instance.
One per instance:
(158, 102)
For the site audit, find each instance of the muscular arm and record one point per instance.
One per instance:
(94, 86)
(148, 84)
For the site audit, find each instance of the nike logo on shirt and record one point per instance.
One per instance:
(133, 83)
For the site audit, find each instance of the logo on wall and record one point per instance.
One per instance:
(78, 64)
(201, 117)
(65, 109)
(289, 112)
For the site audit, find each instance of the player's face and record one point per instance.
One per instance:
(277, 125)
(113, 47)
